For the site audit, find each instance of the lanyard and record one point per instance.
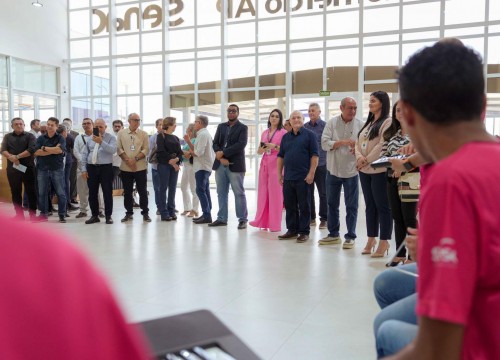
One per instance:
(271, 139)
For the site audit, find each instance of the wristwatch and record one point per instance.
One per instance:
(43, 148)
(408, 165)
(137, 158)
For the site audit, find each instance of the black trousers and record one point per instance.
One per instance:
(72, 181)
(100, 175)
(403, 213)
(140, 178)
(297, 204)
(16, 180)
(320, 181)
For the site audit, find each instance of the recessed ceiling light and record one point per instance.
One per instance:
(37, 4)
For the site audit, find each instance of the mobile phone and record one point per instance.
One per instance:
(384, 161)
(95, 131)
(262, 144)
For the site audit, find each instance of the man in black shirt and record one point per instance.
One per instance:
(50, 150)
(18, 147)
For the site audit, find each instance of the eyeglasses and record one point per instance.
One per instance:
(86, 123)
(232, 111)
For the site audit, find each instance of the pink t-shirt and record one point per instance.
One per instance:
(54, 304)
(459, 247)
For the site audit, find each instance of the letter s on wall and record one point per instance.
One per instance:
(179, 6)
(103, 21)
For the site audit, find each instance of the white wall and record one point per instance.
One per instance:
(37, 34)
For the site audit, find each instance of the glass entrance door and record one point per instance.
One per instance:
(33, 106)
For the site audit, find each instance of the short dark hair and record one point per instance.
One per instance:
(118, 122)
(61, 128)
(280, 114)
(33, 122)
(68, 119)
(15, 119)
(54, 119)
(236, 106)
(444, 83)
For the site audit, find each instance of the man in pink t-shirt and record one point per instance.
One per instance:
(442, 96)
(54, 304)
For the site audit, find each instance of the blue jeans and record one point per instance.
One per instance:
(45, 178)
(203, 192)
(156, 186)
(378, 212)
(296, 194)
(351, 195)
(224, 177)
(168, 181)
(396, 324)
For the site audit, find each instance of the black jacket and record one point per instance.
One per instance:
(234, 149)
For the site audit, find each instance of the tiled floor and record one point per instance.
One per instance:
(285, 300)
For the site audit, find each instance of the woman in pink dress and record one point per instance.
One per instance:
(270, 194)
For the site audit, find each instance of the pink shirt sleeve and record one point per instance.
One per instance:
(447, 252)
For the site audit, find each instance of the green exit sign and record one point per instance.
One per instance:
(324, 93)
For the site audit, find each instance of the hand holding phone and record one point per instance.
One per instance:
(95, 131)
(263, 145)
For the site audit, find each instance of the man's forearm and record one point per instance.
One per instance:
(314, 164)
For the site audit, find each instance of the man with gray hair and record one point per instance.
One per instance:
(203, 160)
(316, 125)
(338, 140)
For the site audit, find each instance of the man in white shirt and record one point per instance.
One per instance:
(203, 160)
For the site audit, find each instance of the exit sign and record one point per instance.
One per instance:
(324, 93)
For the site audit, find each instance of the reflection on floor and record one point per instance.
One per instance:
(285, 300)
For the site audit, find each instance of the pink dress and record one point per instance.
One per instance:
(270, 192)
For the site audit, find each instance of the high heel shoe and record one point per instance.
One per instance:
(382, 250)
(369, 247)
(396, 261)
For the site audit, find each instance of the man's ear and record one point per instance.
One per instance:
(409, 113)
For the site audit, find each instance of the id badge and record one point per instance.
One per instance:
(268, 152)
(132, 147)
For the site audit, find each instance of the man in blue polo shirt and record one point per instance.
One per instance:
(299, 155)
(50, 150)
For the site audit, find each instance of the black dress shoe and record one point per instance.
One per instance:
(93, 219)
(174, 217)
(127, 217)
(302, 238)
(109, 220)
(168, 218)
(288, 235)
(218, 223)
(202, 220)
(242, 225)
(146, 218)
(62, 219)
(198, 218)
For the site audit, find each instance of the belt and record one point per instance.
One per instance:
(99, 164)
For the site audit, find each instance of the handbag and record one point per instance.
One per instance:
(409, 187)
(153, 156)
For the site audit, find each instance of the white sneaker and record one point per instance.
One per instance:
(330, 240)
(348, 244)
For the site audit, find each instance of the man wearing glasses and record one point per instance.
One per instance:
(229, 145)
(18, 147)
(133, 147)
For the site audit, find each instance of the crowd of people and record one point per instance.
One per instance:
(449, 313)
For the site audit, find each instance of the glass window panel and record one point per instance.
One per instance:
(102, 110)
(79, 48)
(384, 19)
(421, 15)
(268, 9)
(475, 43)
(209, 71)
(272, 48)
(127, 44)
(209, 36)
(49, 79)
(476, 30)
(272, 30)
(313, 24)
(101, 82)
(410, 49)
(306, 60)
(241, 33)
(185, 17)
(100, 63)
(272, 64)
(381, 39)
(80, 109)
(181, 100)
(127, 79)
(182, 73)
(151, 42)
(342, 57)
(100, 47)
(494, 10)
(3, 71)
(128, 18)
(241, 67)
(152, 108)
(343, 42)
(494, 50)
(494, 28)
(75, 4)
(181, 39)
(207, 13)
(47, 107)
(421, 35)
(79, 64)
(99, 2)
(152, 18)
(24, 106)
(381, 55)
(152, 58)
(342, 23)
(240, 51)
(208, 54)
(126, 105)
(100, 21)
(127, 60)
(188, 55)
(79, 24)
(181, 117)
(464, 11)
(369, 3)
(152, 76)
(80, 83)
